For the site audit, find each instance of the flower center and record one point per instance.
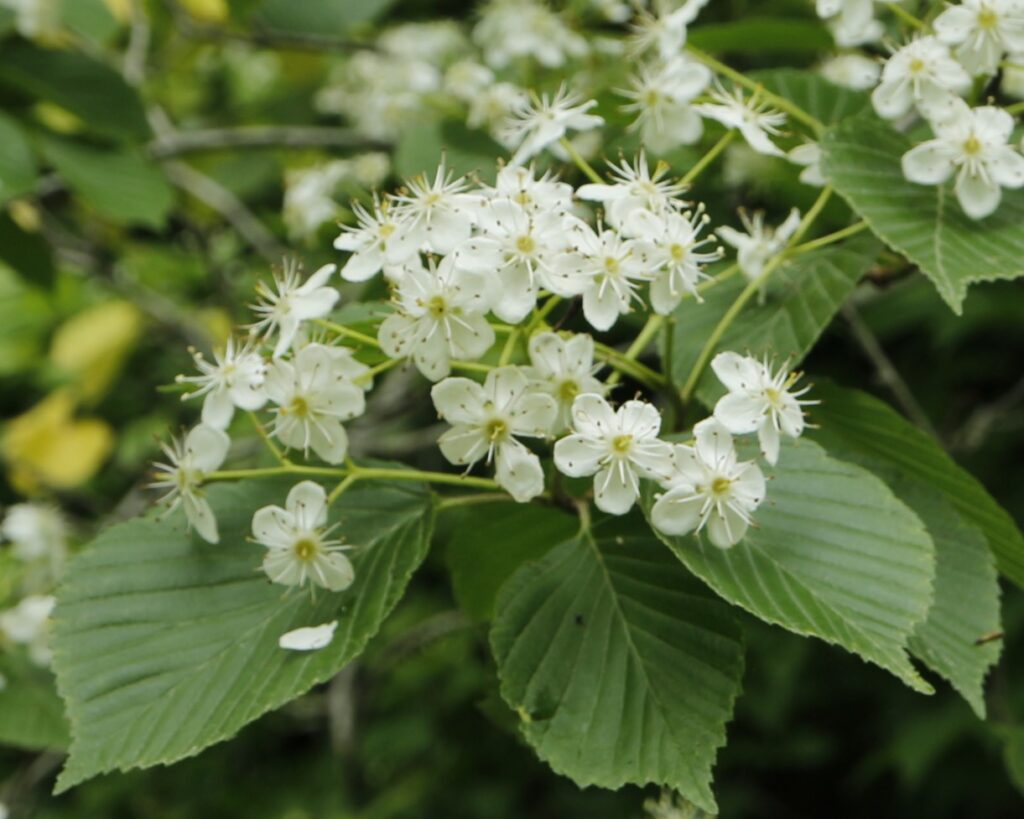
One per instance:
(568, 390)
(677, 251)
(772, 395)
(523, 198)
(720, 486)
(651, 98)
(436, 306)
(987, 18)
(305, 548)
(299, 406)
(621, 444)
(496, 430)
(916, 65)
(611, 265)
(525, 244)
(972, 146)
(386, 229)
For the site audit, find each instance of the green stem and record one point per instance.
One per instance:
(340, 489)
(361, 473)
(580, 162)
(458, 501)
(649, 331)
(907, 17)
(702, 163)
(262, 432)
(341, 330)
(383, 473)
(745, 295)
(471, 366)
(830, 238)
(634, 369)
(541, 315)
(371, 373)
(781, 103)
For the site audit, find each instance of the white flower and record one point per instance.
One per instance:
(189, 462)
(234, 379)
(492, 107)
(535, 195)
(36, 530)
(383, 240)
(28, 624)
(521, 252)
(664, 30)
(309, 638)
(710, 488)
(485, 420)
(756, 122)
(671, 244)
(563, 368)
(608, 271)
(540, 123)
(441, 316)
(438, 214)
(467, 78)
(759, 243)
(854, 71)
(509, 29)
(634, 188)
(298, 545)
(983, 30)
(921, 73)
(972, 144)
(1012, 81)
(617, 447)
(309, 196)
(289, 303)
(809, 156)
(851, 21)
(660, 97)
(313, 398)
(759, 401)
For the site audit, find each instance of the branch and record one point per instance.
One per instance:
(260, 136)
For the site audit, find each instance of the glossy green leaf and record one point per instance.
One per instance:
(166, 644)
(762, 35)
(966, 603)
(857, 427)
(803, 296)
(823, 100)
(31, 713)
(621, 667)
(834, 555)
(492, 541)
(119, 184)
(92, 91)
(861, 157)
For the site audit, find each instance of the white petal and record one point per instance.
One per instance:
(1007, 168)
(218, 408)
(333, 571)
(458, 400)
(310, 638)
(200, 516)
(362, 266)
(714, 443)
(329, 440)
(726, 530)
(768, 438)
(928, 163)
(519, 471)
(307, 501)
(207, 447)
(892, 98)
(592, 415)
(977, 195)
(471, 338)
(740, 412)
(616, 488)
(463, 445)
(273, 527)
(653, 459)
(677, 512)
(534, 414)
(578, 456)
(737, 372)
(639, 419)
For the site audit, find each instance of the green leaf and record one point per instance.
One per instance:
(319, 16)
(762, 35)
(861, 157)
(823, 100)
(28, 253)
(1013, 755)
(90, 19)
(966, 604)
(31, 713)
(834, 555)
(165, 644)
(465, 151)
(120, 184)
(621, 667)
(492, 541)
(804, 295)
(860, 428)
(17, 163)
(92, 91)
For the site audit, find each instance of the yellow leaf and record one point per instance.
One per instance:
(58, 119)
(91, 346)
(47, 447)
(209, 11)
